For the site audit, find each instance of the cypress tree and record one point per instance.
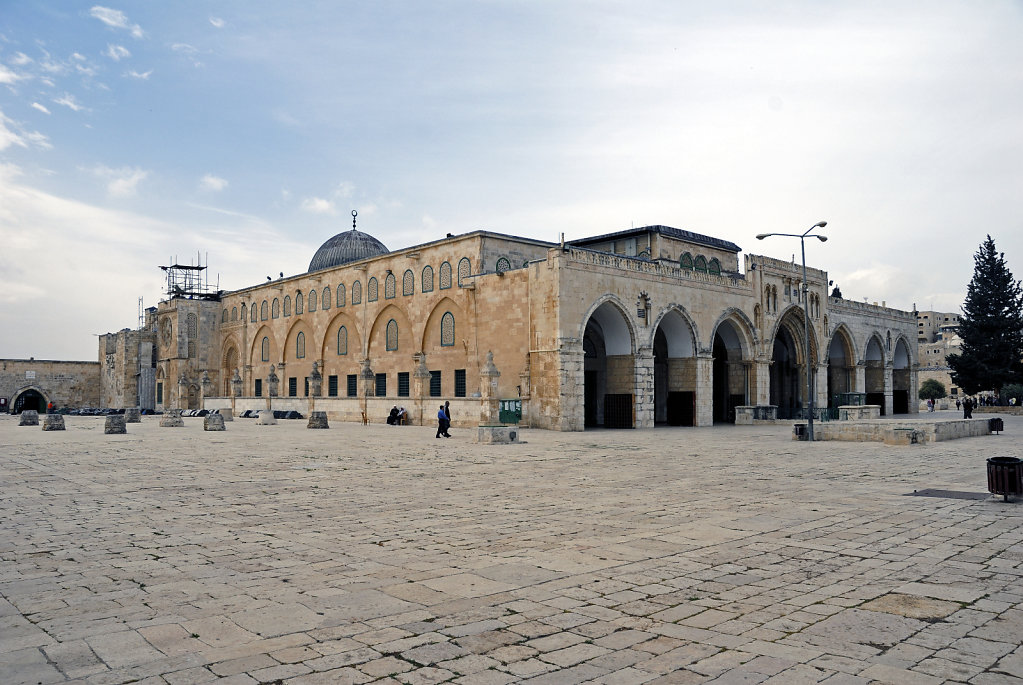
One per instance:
(991, 326)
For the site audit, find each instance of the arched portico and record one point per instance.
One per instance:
(731, 369)
(841, 365)
(901, 378)
(609, 368)
(874, 373)
(675, 369)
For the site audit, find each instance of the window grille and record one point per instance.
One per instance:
(352, 381)
(700, 264)
(325, 300)
(223, 318)
(435, 384)
(447, 329)
(427, 279)
(312, 301)
(192, 322)
(263, 311)
(714, 267)
(331, 386)
(445, 276)
(300, 345)
(392, 336)
(464, 269)
(372, 290)
(255, 313)
(292, 387)
(381, 385)
(341, 295)
(298, 303)
(234, 313)
(686, 261)
(265, 356)
(259, 388)
(275, 309)
(389, 287)
(287, 305)
(459, 382)
(503, 265)
(357, 293)
(403, 384)
(408, 283)
(342, 341)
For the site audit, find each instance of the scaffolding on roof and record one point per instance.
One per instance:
(190, 281)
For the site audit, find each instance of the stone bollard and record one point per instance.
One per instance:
(266, 418)
(172, 419)
(29, 417)
(213, 422)
(317, 419)
(227, 414)
(53, 422)
(133, 415)
(115, 425)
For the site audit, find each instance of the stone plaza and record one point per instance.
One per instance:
(378, 554)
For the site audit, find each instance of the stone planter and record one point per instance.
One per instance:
(29, 417)
(213, 422)
(132, 415)
(172, 419)
(317, 419)
(53, 422)
(114, 425)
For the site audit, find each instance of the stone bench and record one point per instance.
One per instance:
(497, 435)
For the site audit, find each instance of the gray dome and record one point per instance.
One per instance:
(350, 246)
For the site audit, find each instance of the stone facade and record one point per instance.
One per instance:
(583, 333)
(128, 368)
(34, 383)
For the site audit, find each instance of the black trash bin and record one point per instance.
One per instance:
(995, 425)
(1005, 476)
(799, 431)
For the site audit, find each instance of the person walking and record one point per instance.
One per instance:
(442, 423)
(447, 413)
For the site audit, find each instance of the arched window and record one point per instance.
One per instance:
(686, 261)
(372, 290)
(312, 301)
(392, 336)
(275, 309)
(445, 276)
(325, 300)
(263, 311)
(427, 279)
(192, 324)
(342, 341)
(298, 302)
(447, 329)
(234, 313)
(287, 305)
(464, 269)
(714, 267)
(389, 287)
(700, 264)
(300, 345)
(223, 319)
(357, 292)
(265, 355)
(503, 265)
(341, 295)
(254, 314)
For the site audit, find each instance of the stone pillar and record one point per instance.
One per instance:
(114, 425)
(272, 385)
(820, 387)
(182, 391)
(705, 389)
(760, 393)
(367, 382)
(172, 419)
(643, 392)
(207, 388)
(236, 390)
(213, 422)
(859, 377)
(421, 389)
(315, 381)
(489, 410)
(914, 387)
(317, 419)
(572, 383)
(889, 388)
(133, 415)
(53, 422)
(29, 417)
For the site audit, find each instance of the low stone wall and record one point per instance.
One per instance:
(859, 412)
(465, 411)
(1015, 411)
(901, 432)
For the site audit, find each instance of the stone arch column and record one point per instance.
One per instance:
(760, 391)
(705, 389)
(643, 390)
(889, 387)
(572, 412)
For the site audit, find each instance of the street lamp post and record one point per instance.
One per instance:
(808, 233)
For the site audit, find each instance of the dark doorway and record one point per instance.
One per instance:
(30, 399)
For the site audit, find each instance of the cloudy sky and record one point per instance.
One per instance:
(246, 132)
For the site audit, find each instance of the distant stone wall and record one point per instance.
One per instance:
(64, 383)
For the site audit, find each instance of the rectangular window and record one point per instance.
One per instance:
(259, 387)
(159, 393)
(307, 386)
(353, 385)
(403, 385)
(435, 384)
(331, 386)
(381, 389)
(292, 387)
(459, 382)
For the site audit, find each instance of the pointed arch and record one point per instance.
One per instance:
(681, 327)
(291, 346)
(379, 344)
(430, 341)
(618, 329)
(256, 348)
(341, 363)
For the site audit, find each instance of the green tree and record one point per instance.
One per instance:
(991, 326)
(1012, 390)
(932, 389)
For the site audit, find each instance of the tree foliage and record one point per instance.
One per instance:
(991, 326)
(1012, 390)
(932, 389)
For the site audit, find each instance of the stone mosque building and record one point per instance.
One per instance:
(643, 327)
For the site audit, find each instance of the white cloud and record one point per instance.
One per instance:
(217, 22)
(121, 182)
(36, 105)
(20, 59)
(12, 134)
(317, 205)
(117, 52)
(140, 75)
(116, 19)
(212, 183)
(70, 102)
(344, 189)
(188, 51)
(7, 76)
